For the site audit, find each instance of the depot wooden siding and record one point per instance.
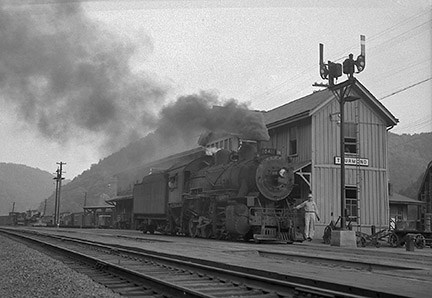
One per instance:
(373, 199)
(279, 139)
(372, 139)
(372, 180)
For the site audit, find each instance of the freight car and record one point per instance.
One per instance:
(228, 195)
(24, 218)
(5, 220)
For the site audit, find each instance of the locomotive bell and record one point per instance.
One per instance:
(275, 178)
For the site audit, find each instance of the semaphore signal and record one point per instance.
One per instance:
(332, 71)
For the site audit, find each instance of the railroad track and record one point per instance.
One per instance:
(135, 273)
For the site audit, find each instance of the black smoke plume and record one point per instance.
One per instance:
(182, 123)
(68, 76)
(193, 114)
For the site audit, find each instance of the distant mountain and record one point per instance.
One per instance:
(408, 158)
(24, 185)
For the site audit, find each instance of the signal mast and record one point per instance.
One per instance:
(331, 72)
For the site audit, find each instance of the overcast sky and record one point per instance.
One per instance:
(78, 81)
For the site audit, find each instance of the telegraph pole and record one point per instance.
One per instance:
(44, 210)
(330, 72)
(58, 179)
(56, 196)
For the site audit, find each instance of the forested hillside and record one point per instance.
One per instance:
(409, 156)
(24, 185)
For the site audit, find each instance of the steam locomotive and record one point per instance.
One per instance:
(228, 195)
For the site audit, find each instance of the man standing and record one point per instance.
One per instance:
(311, 212)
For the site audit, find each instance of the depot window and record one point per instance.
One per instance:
(350, 137)
(351, 203)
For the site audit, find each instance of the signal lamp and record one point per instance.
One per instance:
(360, 63)
(323, 71)
(348, 65)
(335, 69)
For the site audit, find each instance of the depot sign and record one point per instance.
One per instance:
(352, 161)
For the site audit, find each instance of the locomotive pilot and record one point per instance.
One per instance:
(311, 213)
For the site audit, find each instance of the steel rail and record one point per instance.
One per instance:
(283, 285)
(161, 287)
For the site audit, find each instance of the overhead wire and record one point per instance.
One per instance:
(418, 125)
(268, 95)
(265, 95)
(406, 88)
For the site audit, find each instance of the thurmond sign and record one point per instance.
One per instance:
(352, 161)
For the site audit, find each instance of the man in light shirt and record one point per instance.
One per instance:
(311, 213)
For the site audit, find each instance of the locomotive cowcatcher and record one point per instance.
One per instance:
(227, 195)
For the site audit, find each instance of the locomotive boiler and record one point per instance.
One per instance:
(237, 195)
(227, 195)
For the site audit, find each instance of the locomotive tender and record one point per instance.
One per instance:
(228, 195)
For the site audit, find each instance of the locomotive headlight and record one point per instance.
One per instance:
(282, 173)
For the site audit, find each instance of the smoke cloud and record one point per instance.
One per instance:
(68, 76)
(182, 122)
(190, 115)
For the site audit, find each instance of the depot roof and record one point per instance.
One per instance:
(306, 106)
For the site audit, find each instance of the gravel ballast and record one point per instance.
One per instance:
(25, 272)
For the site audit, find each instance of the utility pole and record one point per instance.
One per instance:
(12, 215)
(343, 96)
(56, 196)
(85, 204)
(58, 179)
(44, 210)
(332, 71)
